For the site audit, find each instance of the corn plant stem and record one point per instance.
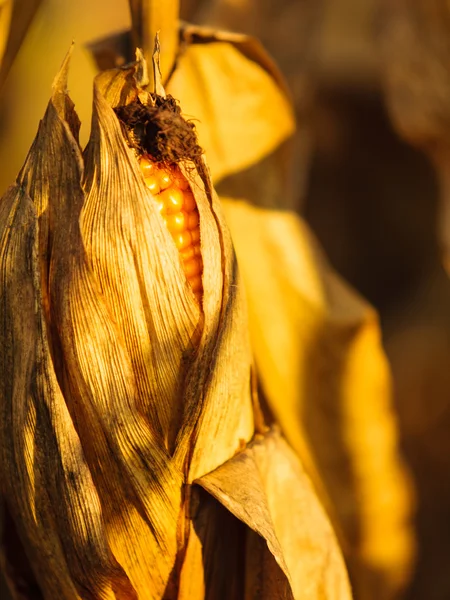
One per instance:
(149, 17)
(15, 18)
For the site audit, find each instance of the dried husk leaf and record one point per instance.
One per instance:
(329, 389)
(215, 552)
(228, 83)
(45, 479)
(96, 374)
(144, 376)
(212, 391)
(132, 255)
(291, 550)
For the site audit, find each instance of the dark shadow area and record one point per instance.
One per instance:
(222, 537)
(373, 202)
(16, 564)
(371, 199)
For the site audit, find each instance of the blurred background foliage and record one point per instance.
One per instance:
(372, 199)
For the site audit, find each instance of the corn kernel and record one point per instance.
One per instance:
(189, 202)
(196, 283)
(152, 184)
(176, 204)
(188, 253)
(182, 240)
(193, 267)
(165, 179)
(147, 167)
(192, 220)
(195, 235)
(176, 223)
(173, 199)
(181, 182)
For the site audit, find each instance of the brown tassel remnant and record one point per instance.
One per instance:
(159, 129)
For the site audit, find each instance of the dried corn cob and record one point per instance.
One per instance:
(177, 206)
(161, 139)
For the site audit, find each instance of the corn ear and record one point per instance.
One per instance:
(122, 390)
(137, 371)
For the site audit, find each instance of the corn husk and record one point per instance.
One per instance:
(119, 390)
(295, 552)
(118, 347)
(303, 319)
(326, 382)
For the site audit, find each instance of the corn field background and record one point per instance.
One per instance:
(351, 338)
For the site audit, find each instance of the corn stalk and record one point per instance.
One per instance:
(151, 17)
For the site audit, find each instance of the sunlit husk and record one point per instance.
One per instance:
(234, 90)
(45, 478)
(289, 546)
(139, 371)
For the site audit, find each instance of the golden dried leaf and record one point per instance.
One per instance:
(326, 381)
(290, 548)
(42, 462)
(228, 84)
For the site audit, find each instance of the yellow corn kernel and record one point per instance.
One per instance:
(177, 206)
(196, 283)
(152, 184)
(182, 240)
(189, 202)
(193, 267)
(173, 199)
(181, 182)
(176, 223)
(192, 220)
(188, 253)
(165, 179)
(147, 167)
(195, 235)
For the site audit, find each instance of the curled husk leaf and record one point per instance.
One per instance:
(114, 378)
(290, 549)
